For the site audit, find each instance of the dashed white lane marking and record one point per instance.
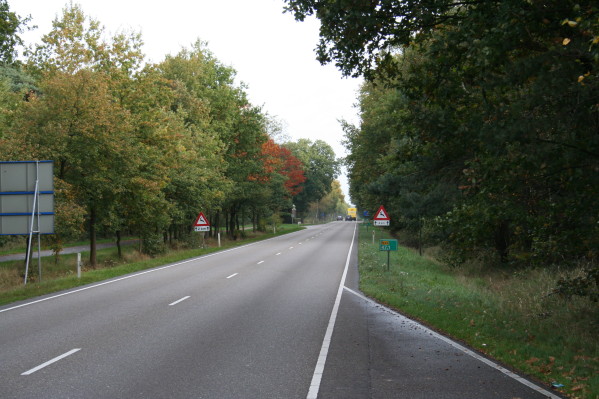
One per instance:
(261, 262)
(116, 280)
(179, 301)
(49, 362)
(290, 247)
(463, 349)
(278, 254)
(233, 275)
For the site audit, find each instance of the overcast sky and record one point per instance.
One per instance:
(271, 52)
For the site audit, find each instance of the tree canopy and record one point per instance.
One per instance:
(142, 148)
(478, 122)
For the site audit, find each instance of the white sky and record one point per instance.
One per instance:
(271, 52)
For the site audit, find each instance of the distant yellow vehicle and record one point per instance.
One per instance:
(351, 213)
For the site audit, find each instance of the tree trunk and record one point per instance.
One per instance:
(502, 240)
(118, 244)
(92, 237)
(233, 215)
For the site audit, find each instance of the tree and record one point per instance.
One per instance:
(321, 168)
(362, 36)
(78, 125)
(332, 204)
(500, 108)
(11, 25)
(79, 120)
(279, 160)
(77, 42)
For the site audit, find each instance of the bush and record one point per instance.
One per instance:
(586, 285)
(153, 244)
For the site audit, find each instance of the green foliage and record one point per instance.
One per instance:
(482, 124)
(11, 25)
(321, 169)
(139, 147)
(153, 244)
(586, 285)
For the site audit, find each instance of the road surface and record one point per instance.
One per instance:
(281, 318)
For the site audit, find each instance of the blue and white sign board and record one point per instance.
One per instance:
(17, 197)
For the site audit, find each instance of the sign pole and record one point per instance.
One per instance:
(388, 244)
(35, 196)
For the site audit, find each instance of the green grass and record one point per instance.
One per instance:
(507, 315)
(63, 275)
(20, 246)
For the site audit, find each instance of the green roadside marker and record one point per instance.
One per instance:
(388, 244)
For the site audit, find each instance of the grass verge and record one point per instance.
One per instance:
(63, 275)
(504, 314)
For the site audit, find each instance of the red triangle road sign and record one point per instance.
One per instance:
(381, 214)
(201, 221)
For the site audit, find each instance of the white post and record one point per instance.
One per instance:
(218, 235)
(373, 237)
(78, 264)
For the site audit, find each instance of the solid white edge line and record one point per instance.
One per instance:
(49, 362)
(136, 275)
(233, 275)
(463, 349)
(179, 301)
(324, 349)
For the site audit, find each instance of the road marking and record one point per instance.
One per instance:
(179, 301)
(300, 243)
(259, 263)
(49, 362)
(233, 275)
(460, 347)
(157, 269)
(290, 247)
(326, 342)
(278, 254)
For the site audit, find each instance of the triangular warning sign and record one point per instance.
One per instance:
(201, 220)
(381, 214)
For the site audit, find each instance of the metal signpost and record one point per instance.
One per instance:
(201, 224)
(388, 244)
(27, 202)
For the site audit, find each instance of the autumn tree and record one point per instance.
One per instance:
(320, 168)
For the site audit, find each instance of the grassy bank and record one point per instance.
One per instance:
(63, 275)
(506, 314)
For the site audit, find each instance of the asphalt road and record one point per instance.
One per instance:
(282, 318)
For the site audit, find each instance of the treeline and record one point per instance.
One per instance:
(479, 122)
(142, 148)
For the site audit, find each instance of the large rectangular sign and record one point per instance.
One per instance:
(17, 189)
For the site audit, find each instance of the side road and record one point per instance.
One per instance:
(68, 250)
